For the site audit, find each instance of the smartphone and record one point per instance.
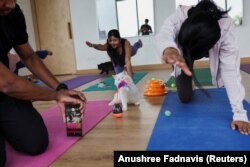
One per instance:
(73, 120)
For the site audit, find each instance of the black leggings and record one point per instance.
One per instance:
(184, 86)
(22, 127)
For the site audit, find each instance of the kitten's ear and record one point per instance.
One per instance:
(125, 72)
(114, 76)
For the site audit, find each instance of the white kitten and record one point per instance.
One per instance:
(127, 91)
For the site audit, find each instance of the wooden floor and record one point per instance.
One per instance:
(132, 132)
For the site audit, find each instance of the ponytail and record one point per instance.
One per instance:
(209, 7)
(200, 32)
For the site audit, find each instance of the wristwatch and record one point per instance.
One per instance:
(61, 86)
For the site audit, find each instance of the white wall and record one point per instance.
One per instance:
(85, 27)
(106, 20)
(26, 8)
(243, 31)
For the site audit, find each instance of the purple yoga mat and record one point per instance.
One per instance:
(245, 68)
(59, 142)
(79, 81)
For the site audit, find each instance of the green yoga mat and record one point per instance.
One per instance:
(110, 83)
(203, 76)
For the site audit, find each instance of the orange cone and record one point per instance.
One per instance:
(155, 87)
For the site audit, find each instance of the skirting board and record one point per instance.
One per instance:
(200, 64)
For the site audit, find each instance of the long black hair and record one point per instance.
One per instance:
(200, 32)
(112, 52)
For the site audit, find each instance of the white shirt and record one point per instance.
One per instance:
(224, 57)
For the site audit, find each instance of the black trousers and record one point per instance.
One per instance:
(21, 126)
(184, 86)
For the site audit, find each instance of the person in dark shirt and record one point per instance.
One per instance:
(145, 28)
(20, 123)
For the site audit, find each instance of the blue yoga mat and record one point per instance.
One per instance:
(201, 125)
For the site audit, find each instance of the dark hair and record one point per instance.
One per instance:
(200, 31)
(113, 54)
(114, 33)
(146, 20)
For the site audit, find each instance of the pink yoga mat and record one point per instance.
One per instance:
(59, 142)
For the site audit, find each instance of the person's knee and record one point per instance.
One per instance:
(185, 98)
(33, 145)
(37, 147)
(2, 160)
(2, 151)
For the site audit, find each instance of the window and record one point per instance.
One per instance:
(236, 6)
(125, 15)
(132, 14)
(186, 2)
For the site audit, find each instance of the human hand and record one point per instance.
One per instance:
(172, 56)
(73, 97)
(89, 44)
(242, 126)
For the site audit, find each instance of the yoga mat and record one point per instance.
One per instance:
(59, 142)
(75, 82)
(203, 76)
(79, 81)
(245, 68)
(110, 83)
(201, 125)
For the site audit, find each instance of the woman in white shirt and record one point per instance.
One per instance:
(192, 33)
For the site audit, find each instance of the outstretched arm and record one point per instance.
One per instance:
(166, 41)
(35, 65)
(21, 88)
(230, 69)
(18, 87)
(101, 47)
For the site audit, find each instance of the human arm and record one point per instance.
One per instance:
(166, 40)
(229, 67)
(128, 52)
(101, 47)
(35, 65)
(18, 87)
(150, 29)
(141, 29)
(172, 56)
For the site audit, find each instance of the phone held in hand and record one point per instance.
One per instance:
(73, 120)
